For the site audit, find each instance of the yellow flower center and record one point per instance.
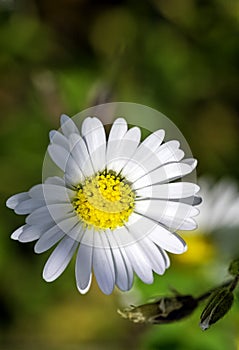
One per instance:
(104, 201)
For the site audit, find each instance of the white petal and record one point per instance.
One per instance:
(51, 194)
(83, 265)
(86, 289)
(73, 172)
(44, 224)
(77, 231)
(158, 210)
(121, 275)
(117, 132)
(103, 265)
(28, 206)
(68, 126)
(165, 173)
(38, 216)
(64, 160)
(188, 224)
(154, 255)
(193, 200)
(48, 239)
(139, 262)
(55, 180)
(16, 199)
(169, 191)
(81, 155)
(128, 243)
(88, 237)
(196, 200)
(59, 139)
(165, 257)
(167, 240)
(169, 152)
(37, 192)
(66, 225)
(94, 134)
(123, 285)
(130, 272)
(134, 169)
(142, 226)
(59, 259)
(124, 150)
(29, 234)
(153, 141)
(191, 162)
(17, 232)
(59, 155)
(61, 211)
(122, 236)
(133, 172)
(135, 229)
(57, 212)
(175, 223)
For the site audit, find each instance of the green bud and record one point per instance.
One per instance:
(234, 267)
(218, 305)
(163, 310)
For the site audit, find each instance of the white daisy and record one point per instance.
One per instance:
(218, 223)
(117, 204)
(220, 206)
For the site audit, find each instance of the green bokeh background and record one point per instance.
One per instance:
(177, 56)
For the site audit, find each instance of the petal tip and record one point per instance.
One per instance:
(64, 118)
(51, 134)
(185, 248)
(47, 276)
(14, 236)
(36, 249)
(10, 204)
(85, 289)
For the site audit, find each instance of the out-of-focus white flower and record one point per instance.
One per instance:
(218, 223)
(220, 206)
(117, 205)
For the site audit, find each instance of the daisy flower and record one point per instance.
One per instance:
(117, 204)
(218, 222)
(220, 207)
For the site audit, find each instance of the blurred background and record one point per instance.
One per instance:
(179, 57)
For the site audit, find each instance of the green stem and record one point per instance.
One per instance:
(234, 283)
(226, 284)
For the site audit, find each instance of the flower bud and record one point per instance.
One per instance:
(163, 310)
(218, 305)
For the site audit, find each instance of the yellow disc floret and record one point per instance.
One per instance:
(104, 201)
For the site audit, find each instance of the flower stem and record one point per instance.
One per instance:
(234, 283)
(207, 294)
